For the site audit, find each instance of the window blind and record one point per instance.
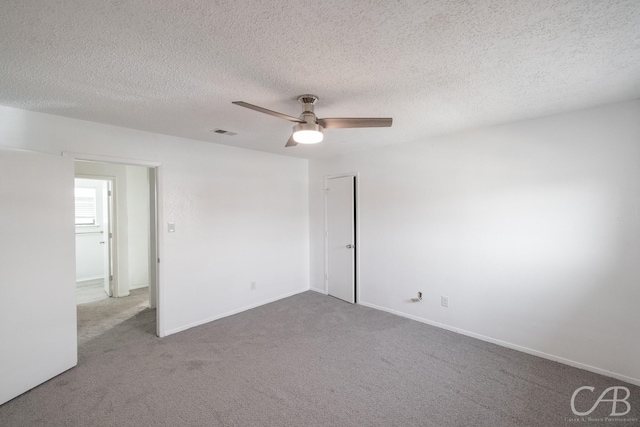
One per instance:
(85, 206)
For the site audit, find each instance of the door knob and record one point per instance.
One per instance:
(102, 243)
(349, 246)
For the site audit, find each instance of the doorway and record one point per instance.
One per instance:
(94, 238)
(125, 238)
(341, 248)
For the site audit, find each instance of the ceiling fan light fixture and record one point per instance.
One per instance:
(308, 128)
(307, 133)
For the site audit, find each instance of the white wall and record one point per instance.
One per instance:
(240, 215)
(531, 229)
(138, 219)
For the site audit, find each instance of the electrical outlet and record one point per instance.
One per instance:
(444, 301)
(253, 286)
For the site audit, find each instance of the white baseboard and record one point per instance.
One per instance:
(506, 344)
(232, 312)
(321, 291)
(144, 285)
(83, 280)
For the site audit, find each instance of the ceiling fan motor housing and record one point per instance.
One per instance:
(307, 101)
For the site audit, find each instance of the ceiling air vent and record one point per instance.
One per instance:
(223, 132)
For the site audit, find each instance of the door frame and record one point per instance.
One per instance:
(356, 205)
(112, 244)
(156, 250)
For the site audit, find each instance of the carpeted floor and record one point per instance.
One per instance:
(96, 318)
(308, 360)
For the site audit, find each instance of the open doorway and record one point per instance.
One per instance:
(115, 246)
(94, 237)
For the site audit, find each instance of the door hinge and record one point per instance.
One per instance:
(111, 235)
(109, 193)
(158, 260)
(326, 276)
(111, 278)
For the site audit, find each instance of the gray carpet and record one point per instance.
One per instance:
(307, 360)
(96, 318)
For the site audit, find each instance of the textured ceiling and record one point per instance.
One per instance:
(174, 66)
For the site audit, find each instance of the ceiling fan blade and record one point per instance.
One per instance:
(291, 142)
(265, 111)
(341, 123)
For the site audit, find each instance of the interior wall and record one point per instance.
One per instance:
(240, 216)
(138, 220)
(531, 229)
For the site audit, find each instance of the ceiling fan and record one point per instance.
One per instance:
(308, 129)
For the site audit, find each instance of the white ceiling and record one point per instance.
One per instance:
(173, 66)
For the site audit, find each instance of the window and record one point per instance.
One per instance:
(85, 206)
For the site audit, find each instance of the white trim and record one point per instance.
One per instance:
(144, 285)
(158, 262)
(83, 280)
(236, 311)
(95, 177)
(356, 176)
(320, 291)
(109, 159)
(23, 150)
(506, 344)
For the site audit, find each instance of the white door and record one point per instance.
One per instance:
(37, 270)
(341, 238)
